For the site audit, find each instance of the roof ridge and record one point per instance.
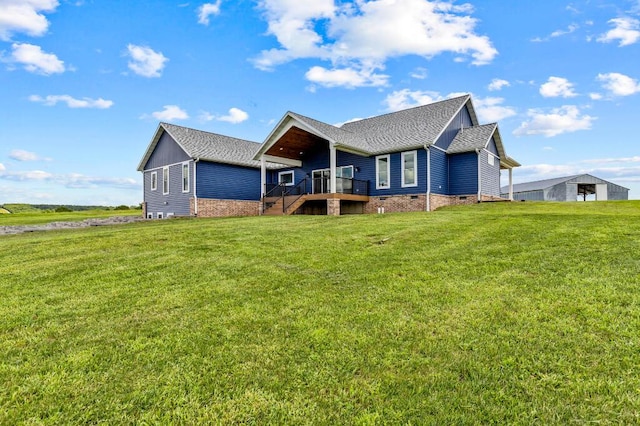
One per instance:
(209, 133)
(407, 109)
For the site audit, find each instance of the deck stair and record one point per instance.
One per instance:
(273, 206)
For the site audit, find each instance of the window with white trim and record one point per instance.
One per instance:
(285, 178)
(409, 162)
(165, 180)
(490, 160)
(185, 177)
(154, 181)
(383, 172)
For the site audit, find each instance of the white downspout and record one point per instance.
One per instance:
(428, 178)
(479, 178)
(195, 184)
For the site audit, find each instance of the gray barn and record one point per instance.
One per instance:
(567, 188)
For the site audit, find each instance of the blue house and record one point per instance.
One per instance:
(417, 159)
(188, 172)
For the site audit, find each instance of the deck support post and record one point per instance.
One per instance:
(263, 182)
(510, 183)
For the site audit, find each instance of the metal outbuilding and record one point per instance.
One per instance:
(567, 188)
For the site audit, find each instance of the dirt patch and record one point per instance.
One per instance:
(115, 220)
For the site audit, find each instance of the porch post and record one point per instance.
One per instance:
(263, 176)
(332, 166)
(511, 183)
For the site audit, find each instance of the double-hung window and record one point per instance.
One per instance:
(383, 172)
(185, 177)
(409, 160)
(165, 180)
(154, 181)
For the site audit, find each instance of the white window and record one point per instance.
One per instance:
(185, 177)
(154, 181)
(383, 172)
(160, 215)
(165, 180)
(149, 215)
(490, 159)
(409, 162)
(285, 178)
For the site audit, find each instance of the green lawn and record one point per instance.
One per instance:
(39, 217)
(494, 313)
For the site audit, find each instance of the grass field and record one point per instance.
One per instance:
(514, 313)
(38, 217)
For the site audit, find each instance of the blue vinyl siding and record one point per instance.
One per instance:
(439, 172)
(167, 151)
(227, 182)
(364, 169)
(490, 175)
(462, 119)
(463, 174)
(176, 201)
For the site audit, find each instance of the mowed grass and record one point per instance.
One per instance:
(40, 217)
(514, 313)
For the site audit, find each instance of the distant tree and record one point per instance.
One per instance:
(63, 209)
(122, 207)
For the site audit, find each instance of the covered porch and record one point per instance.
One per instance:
(310, 179)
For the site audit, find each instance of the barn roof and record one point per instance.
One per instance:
(548, 183)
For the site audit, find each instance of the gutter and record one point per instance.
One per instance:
(428, 178)
(195, 184)
(479, 177)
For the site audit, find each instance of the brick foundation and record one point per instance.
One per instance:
(208, 207)
(418, 202)
(397, 203)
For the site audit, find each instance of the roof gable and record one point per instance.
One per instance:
(205, 146)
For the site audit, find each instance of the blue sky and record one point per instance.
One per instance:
(83, 84)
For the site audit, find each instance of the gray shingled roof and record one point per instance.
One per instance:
(472, 138)
(209, 146)
(537, 185)
(406, 129)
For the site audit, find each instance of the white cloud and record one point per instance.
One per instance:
(35, 60)
(405, 98)
(490, 110)
(145, 61)
(565, 119)
(235, 116)
(557, 87)
(22, 155)
(626, 29)
(619, 84)
(2, 167)
(595, 96)
(206, 10)
(363, 35)
(558, 33)
(24, 16)
(71, 102)
(498, 84)
(419, 73)
(70, 180)
(346, 77)
(170, 113)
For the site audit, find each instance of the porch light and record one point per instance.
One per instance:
(357, 169)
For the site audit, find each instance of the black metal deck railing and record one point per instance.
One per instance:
(291, 193)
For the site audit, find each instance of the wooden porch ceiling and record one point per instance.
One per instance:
(295, 144)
